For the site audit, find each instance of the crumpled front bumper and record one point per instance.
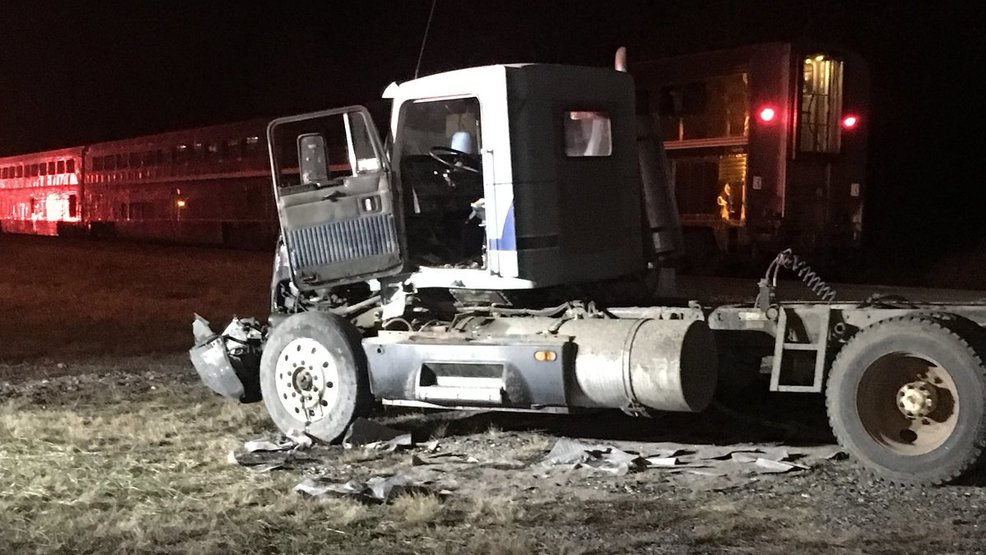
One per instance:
(228, 364)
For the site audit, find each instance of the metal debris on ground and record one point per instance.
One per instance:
(574, 454)
(264, 455)
(370, 435)
(734, 463)
(379, 489)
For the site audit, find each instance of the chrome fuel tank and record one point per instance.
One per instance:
(660, 364)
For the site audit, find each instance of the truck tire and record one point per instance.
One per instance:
(313, 375)
(906, 398)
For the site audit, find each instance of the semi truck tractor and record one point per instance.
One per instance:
(505, 247)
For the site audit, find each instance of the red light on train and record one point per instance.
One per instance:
(767, 114)
(850, 121)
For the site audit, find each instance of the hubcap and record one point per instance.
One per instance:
(306, 380)
(917, 399)
(908, 403)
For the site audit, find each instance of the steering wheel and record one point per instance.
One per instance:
(460, 160)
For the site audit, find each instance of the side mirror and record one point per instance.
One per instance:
(313, 159)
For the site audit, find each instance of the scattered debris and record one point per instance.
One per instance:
(700, 467)
(264, 455)
(379, 489)
(732, 465)
(604, 458)
(370, 435)
(768, 466)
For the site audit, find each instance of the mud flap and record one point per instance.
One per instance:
(229, 364)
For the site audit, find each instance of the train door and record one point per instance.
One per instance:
(335, 202)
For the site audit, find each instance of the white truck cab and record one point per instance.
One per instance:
(500, 177)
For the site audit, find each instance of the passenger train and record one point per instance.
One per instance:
(766, 147)
(208, 186)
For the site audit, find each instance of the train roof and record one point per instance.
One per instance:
(253, 127)
(68, 152)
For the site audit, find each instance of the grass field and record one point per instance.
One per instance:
(146, 471)
(66, 299)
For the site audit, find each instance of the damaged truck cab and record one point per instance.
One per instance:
(503, 252)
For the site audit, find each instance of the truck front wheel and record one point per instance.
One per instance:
(906, 398)
(313, 375)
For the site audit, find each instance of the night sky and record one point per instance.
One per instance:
(82, 72)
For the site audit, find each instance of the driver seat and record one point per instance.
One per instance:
(463, 141)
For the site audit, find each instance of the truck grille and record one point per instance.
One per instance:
(334, 242)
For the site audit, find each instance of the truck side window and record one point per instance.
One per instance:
(588, 134)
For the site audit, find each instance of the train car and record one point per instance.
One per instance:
(209, 185)
(41, 193)
(766, 146)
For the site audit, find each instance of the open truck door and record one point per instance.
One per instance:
(335, 198)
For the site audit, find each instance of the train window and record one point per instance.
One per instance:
(587, 134)
(134, 158)
(20, 171)
(70, 165)
(684, 100)
(821, 105)
(51, 168)
(717, 107)
(197, 151)
(110, 162)
(121, 161)
(181, 153)
(42, 169)
(252, 144)
(3, 173)
(73, 206)
(61, 166)
(159, 157)
(213, 149)
(97, 163)
(234, 148)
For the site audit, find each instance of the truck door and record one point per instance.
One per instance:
(334, 196)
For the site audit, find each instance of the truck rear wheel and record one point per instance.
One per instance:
(313, 375)
(906, 398)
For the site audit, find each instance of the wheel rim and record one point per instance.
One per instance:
(306, 380)
(908, 403)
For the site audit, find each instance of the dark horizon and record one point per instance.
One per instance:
(73, 74)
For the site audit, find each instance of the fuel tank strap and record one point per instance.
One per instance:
(631, 395)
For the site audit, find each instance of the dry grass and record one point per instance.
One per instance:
(490, 508)
(416, 508)
(112, 471)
